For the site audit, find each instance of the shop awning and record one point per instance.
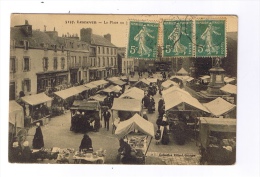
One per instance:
(107, 90)
(120, 104)
(232, 89)
(16, 114)
(81, 88)
(90, 85)
(208, 124)
(115, 88)
(176, 98)
(133, 93)
(36, 99)
(132, 124)
(64, 94)
(113, 78)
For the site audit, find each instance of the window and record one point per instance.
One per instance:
(79, 61)
(107, 50)
(112, 63)
(26, 85)
(62, 49)
(73, 61)
(55, 63)
(26, 45)
(115, 51)
(98, 62)
(84, 61)
(45, 64)
(107, 61)
(104, 62)
(55, 47)
(103, 50)
(98, 50)
(26, 64)
(12, 65)
(62, 63)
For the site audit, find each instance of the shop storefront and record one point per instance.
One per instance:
(51, 79)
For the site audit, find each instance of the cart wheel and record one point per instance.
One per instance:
(99, 161)
(22, 135)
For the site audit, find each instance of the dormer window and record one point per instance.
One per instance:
(55, 47)
(26, 45)
(62, 48)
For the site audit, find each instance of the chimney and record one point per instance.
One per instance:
(45, 27)
(26, 29)
(85, 35)
(108, 37)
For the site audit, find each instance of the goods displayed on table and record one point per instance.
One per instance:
(138, 143)
(92, 157)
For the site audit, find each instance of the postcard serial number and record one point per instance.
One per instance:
(79, 22)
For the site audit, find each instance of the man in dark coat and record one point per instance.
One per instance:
(151, 105)
(86, 143)
(160, 103)
(38, 138)
(106, 116)
(145, 101)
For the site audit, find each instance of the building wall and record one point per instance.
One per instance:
(35, 66)
(127, 65)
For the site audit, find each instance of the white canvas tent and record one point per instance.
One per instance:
(64, 94)
(168, 84)
(232, 89)
(178, 98)
(16, 114)
(173, 89)
(182, 71)
(36, 99)
(133, 93)
(219, 107)
(133, 105)
(134, 123)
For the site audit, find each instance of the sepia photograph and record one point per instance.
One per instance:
(123, 89)
(129, 88)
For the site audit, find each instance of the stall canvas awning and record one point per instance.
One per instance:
(90, 85)
(133, 93)
(182, 71)
(99, 82)
(153, 80)
(16, 114)
(115, 88)
(81, 88)
(228, 79)
(89, 105)
(168, 84)
(219, 106)
(36, 99)
(175, 98)
(107, 90)
(113, 78)
(64, 94)
(173, 89)
(119, 82)
(232, 89)
(205, 77)
(208, 124)
(98, 97)
(120, 104)
(132, 124)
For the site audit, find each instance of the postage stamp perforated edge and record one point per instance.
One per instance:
(128, 35)
(177, 18)
(209, 17)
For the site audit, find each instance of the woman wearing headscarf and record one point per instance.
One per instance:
(86, 143)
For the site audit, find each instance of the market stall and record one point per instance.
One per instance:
(218, 140)
(173, 89)
(137, 133)
(182, 110)
(133, 93)
(167, 84)
(142, 84)
(85, 116)
(39, 107)
(92, 88)
(123, 110)
(100, 83)
(221, 108)
(16, 120)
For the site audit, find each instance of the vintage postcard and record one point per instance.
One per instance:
(123, 89)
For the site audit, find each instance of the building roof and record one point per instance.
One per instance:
(182, 71)
(100, 40)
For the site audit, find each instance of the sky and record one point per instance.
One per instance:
(116, 25)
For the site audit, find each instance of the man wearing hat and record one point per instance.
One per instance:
(26, 152)
(38, 137)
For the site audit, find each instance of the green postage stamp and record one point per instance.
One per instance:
(177, 38)
(143, 40)
(210, 38)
